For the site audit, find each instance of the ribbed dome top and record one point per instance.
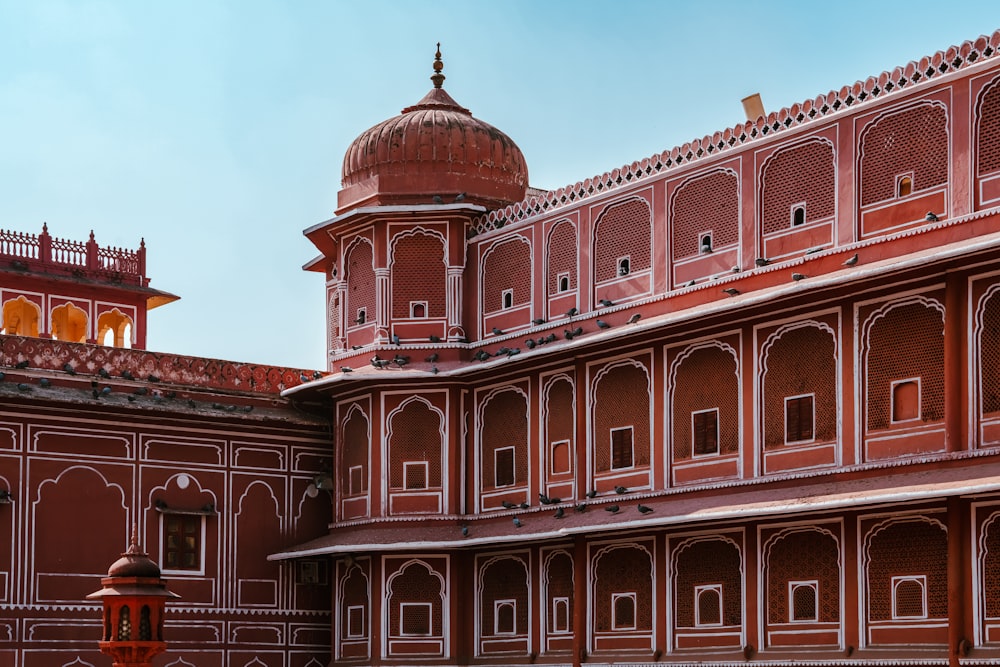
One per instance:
(435, 148)
(134, 563)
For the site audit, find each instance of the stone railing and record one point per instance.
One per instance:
(47, 254)
(942, 62)
(144, 366)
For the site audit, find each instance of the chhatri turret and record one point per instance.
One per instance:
(394, 254)
(133, 595)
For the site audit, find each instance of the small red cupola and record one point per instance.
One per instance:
(134, 597)
(433, 152)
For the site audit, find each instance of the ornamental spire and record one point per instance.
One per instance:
(438, 77)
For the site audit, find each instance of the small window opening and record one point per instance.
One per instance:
(799, 418)
(415, 475)
(904, 186)
(503, 466)
(560, 457)
(708, 604)
(621, 448)
(308, 572)
(705, 243)
(623, 611)
(906, 400)
(418, 309)
(508, 298)
(705, 432)
(799, 215)
(563, 282)
(124, 625)
(355, 621)
(909, 597)
(503, 617)
(623, 266)
(145, 631)
(357, 480)
(803, 594)
(182, 535)
(362, 316)
(560, 615)
(414, 618)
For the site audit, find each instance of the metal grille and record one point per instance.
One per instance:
(505, 424)
(625, 569)
(989, 351)
(803, 173)
(991, 568)
(912, 140)
(562, 255)
(418, 273)
(708, 203)
(800, 361)
(906, 342)
(909, 598)
(623, 230)
(360, 283)
(415, 435)
(621, 398)
(704, 563)
(560, 585)
(807, 555)
(508, 267)
(354, 593)
(988, 130)
(803, 603)
(909, 547)
(706, 379)
(415, 584)
(355, 451)
(504, 579)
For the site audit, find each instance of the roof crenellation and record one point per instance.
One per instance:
(874, 87)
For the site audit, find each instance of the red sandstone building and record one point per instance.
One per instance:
(736, 402)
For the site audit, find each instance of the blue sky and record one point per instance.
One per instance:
(216, 130)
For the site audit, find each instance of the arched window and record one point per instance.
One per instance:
(905, 400)
(708, 605)
(114, 329)
(124, 625)
(503, 617)
(803, 601)
(705, 243)
(798, 216)
(69, 323)
(145, 633)
(20, 318)
(904, 186)
(909, 597)
(623, 611)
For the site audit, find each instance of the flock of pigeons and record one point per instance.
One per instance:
(560, 512)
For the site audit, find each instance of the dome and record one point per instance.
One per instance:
(134, 563)
(431, 153)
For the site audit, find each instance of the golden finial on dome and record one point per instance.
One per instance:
(438, 77)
